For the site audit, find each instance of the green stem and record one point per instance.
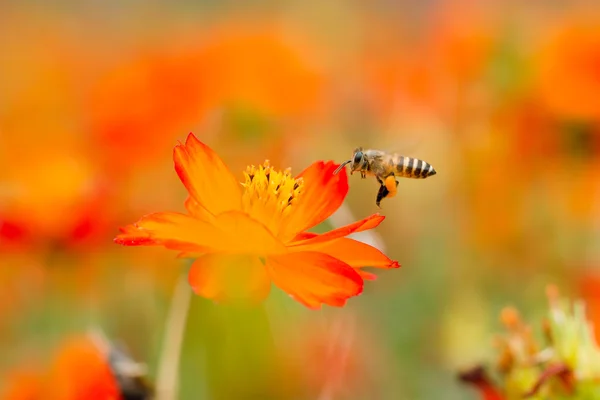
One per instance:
(167, 376)
(238, 350)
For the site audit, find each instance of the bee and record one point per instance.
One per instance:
(386, 167)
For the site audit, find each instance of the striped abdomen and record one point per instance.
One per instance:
(409, 167)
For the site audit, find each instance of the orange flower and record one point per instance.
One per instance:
(568, 69)
(246, 71)
(251, 234)
(84, 367)
(61, 179)
(254, 66)
(148, 97)
(81, 371)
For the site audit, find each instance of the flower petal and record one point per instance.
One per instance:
(322, 195)
(358, 226)
(367, 276)
(314, 278)
(352, 252)
(226, 278)
(172, 230)
(246, 235)
(233, 232)
(304, 236)
(206, 177)
(197, 211)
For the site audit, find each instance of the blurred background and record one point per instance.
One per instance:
(502, 98)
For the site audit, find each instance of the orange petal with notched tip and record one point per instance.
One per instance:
(206, 177)
(224, 277)
(322, 195)
(314, 278)
(352, 252)
(237, 233)
(358, 226)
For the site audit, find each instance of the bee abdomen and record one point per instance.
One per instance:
(409, 167)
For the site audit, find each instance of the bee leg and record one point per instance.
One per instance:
(383, 192)
(392, 185)
(363, 174)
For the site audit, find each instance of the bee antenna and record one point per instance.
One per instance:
(342, 165)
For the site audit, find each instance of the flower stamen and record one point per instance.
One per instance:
(269, 194)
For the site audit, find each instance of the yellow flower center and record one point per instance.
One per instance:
(269, 194)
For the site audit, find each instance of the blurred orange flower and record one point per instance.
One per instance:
(62, 180)
(568, 69)
(396, 75)
(150, 97)
(255, 65)
(253, 71)
(247, 236)
(79, 371)
(462, 37)
(50, 190)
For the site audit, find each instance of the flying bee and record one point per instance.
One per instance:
(386, 167)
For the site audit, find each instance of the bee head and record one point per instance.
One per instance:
(358, 157)
(357, 160)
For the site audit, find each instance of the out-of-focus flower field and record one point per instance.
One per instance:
(501, 97)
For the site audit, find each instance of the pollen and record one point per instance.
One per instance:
(269, 194)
